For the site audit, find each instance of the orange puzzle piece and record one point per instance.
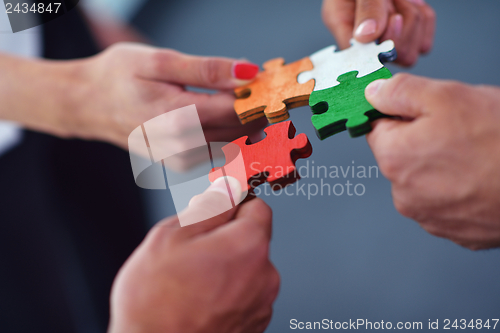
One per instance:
(274, 91)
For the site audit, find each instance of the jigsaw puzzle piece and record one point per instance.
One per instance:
(282, 155)
(344, 106)
(272, 159)
(363, 58)
(274, 91)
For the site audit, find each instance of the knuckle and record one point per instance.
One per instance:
(275, 279)
(401, 78)
(402, 55)
(115, 53)
(434, 228)
(123, 50)
(426, 46)
(368, 6)
(331, 17)
(254, 242)
(213, 203)
(326, 15)
(414, 15)
(178, 124)
(210, 71)
(162, 233)
(472, 247)
(161, 57)
(273, 283)
(411, 59)
(429, 13)
(238, 245)
(263, 319)
(454, 87)
(118, 47)
(259, 241)
(401, 81)
(399, 86)
(448, 91)
(389, 168)
(404, 208)
(181, 147)
(406, 56)
(419, 16)
(194, 200)
(179, 163)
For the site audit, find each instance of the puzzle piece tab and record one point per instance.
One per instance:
(274, 91)
(345, 106)
(271, 159)
(363, 58)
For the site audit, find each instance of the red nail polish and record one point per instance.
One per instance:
(245, 71)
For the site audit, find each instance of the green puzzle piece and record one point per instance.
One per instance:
(345, 106)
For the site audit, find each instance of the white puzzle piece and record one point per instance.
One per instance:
(329, 65)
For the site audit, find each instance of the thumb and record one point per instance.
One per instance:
(403, 95)
(371, 19)
(205, 72)
(211, 209)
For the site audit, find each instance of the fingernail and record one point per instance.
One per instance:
(374, 87)
(221, 185)
(367, 27)
(244, 70)
(241, 82)
(417, 2)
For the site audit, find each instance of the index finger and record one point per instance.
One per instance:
(338, 16)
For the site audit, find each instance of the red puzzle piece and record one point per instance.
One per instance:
(271, 159)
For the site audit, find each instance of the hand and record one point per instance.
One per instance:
(107, 96)
(409, 23)
(129, 84)
(443, 157)
(213, 276)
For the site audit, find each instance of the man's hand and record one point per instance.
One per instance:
(409, 23)
(443, 157)
(211, 277)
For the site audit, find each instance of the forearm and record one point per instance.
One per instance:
(40, 95)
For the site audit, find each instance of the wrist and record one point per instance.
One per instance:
(74, 95)
(40, 94)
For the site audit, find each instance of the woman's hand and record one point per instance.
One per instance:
(107, 96)
(409, 23)
(129, 84)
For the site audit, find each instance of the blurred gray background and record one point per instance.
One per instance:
(348, 257)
